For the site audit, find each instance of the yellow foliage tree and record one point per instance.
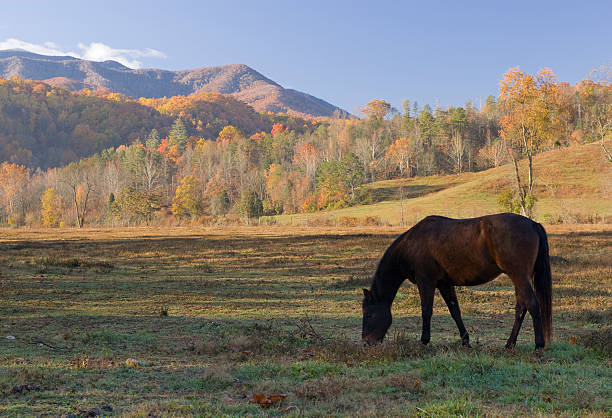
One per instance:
(51, 208)
(229, 134)
(187, 200)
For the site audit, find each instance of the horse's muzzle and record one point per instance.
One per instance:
(370, 340)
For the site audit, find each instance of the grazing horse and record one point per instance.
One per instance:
(441, 253)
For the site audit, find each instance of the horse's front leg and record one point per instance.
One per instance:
(450, 297)
(426, 291)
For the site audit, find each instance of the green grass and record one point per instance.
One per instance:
(572, 186)
(178, 322)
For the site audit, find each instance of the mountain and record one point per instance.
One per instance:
(45, 126)
(238, 80)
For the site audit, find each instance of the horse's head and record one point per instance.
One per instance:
(376, 318)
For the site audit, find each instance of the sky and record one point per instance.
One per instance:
(345, 52)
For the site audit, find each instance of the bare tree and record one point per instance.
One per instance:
(80, 179)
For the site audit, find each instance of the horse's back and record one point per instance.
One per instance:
(475, 250)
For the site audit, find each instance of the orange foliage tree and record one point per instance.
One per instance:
(402, 154)
(378, 108)
(530, 121)
(13, 181)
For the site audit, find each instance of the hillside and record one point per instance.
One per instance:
(572, 184)
(238, 80)
(42, 126)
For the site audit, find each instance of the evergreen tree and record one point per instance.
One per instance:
(178, 135)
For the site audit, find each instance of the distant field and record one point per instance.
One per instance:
(152, 322)
(573, 185)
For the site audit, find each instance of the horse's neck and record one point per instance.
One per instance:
(386, 285)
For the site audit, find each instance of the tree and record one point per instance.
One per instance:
(220, 204)
(80, 179)
(331, 192)
(492, 155)
(14, 180)
(151, 162)
(229, 134)
(458, 143)
(351, 173)
(178, 135)
(250, 205)
(599, 105)
(377, 108)
(306, 156)
(51, 208)
(529, 122)
(401, 154)
(276, 188)
(187, 200)
(139, 205)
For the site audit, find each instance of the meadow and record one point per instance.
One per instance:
(199, 321)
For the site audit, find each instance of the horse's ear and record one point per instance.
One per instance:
(367, 294)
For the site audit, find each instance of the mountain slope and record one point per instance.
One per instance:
(43, 126)
(239, 80)
(572, 185)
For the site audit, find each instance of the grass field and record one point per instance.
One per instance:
(151, 322)
(573, 185)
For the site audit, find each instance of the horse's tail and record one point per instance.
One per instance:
(542, 282)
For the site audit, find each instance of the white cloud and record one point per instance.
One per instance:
(95, 51)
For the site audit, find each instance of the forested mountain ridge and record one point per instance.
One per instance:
(238, 80)
(45, 126)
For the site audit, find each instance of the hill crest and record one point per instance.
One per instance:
(238, 80)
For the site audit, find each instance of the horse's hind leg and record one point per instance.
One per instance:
(526, 298)
(450, 297)
(519, 314)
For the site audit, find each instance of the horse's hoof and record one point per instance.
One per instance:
(510, 346)
(467, 345)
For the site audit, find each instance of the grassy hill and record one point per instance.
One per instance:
(572, 185)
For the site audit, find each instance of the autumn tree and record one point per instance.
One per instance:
(139, 205)
(376, 108)
(492, 155)
(598, 103)
(229, 134)
(401, 154)
(187, 200)
(529, 123)
(250, 205)
(51, 208)
(306, 157)
(276, 189)
(80, 179)
(14, 180)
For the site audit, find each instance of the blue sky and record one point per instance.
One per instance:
(346, 52)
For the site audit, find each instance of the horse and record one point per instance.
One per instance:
(441, 253)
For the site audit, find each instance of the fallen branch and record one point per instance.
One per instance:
(42, 343)
(307, 330)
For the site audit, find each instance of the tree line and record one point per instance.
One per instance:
(198, 170)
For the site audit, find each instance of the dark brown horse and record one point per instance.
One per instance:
(441, 253)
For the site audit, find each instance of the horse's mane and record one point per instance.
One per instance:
(378, 282)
